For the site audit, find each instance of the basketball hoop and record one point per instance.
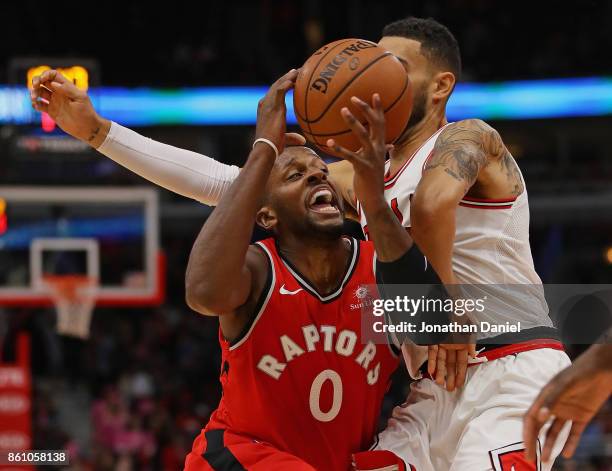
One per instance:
(74, 297)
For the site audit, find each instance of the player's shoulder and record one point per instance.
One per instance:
(472, 125)
(259, 258)
(472, 129)
(472, 133)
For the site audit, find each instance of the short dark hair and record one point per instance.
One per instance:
(437, 43)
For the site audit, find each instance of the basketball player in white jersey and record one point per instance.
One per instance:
(458, 189)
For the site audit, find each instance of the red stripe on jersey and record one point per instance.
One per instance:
(390, 180)
(490, 200)
(482, 206)
(511, 349)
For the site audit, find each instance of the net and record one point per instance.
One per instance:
(74, 297)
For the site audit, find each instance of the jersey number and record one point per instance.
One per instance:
(315, 393)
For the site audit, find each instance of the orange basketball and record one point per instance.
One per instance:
(340, 70)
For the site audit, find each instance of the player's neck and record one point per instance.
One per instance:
(322, 262)
(415, 138)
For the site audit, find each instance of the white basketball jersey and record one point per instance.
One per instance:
(491, 245)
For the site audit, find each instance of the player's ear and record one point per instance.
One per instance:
(443, 83)
(266, 218)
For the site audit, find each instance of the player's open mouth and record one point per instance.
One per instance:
(322, 200)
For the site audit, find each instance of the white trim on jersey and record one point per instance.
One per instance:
(265, 303)
(349, 272)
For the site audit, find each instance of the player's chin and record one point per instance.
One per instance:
(330, 222)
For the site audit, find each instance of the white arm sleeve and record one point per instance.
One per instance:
(184, 172)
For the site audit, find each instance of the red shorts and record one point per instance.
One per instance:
(223, 450)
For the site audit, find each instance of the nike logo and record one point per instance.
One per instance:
(283, 290)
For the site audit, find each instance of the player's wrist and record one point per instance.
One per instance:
(265, 142)
(262, 149)
(373, 204)
(602, 357)
(97, 131)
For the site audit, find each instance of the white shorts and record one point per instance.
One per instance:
(478, 427)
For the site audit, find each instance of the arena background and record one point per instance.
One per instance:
(138, 391)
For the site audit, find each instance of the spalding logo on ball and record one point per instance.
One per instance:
(340, 70)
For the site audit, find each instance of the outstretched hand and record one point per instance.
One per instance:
(575, 394)
(369, 161)
(272, 114)
(69, 107)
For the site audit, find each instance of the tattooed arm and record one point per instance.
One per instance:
(469, 158)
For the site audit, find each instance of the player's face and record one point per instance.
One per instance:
(301, 199)
(408, 51)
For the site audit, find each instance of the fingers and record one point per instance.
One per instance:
(40, 106)
(531, 429)
(432, 357)
(290, 76)
(294, 139)
(462, 364)
(441, 366)
(472, 353)
(44, 94)
(451, 370)
(275, 97)
(374, 114)
(285, 83)
(573, 439)
(65, 88)
(551, 438)
(358, 129)
(532, 424)
(534, 420)
(343, 152)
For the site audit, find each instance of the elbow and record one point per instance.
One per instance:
(428, 212)
(202, 298)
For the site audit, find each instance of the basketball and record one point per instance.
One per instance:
(340, 70)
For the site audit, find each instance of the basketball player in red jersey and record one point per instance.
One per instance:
(300, 389)
(462, 194)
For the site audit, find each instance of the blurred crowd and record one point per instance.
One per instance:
(133, 397)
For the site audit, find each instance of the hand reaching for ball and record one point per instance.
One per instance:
(272, 114)
(369, 161)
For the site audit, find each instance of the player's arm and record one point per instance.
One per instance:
(575, 394)
(220, 271)
(342, 174)
(182, 171)
(395, 250)
(461, 152)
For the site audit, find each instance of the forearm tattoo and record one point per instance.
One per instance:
(93, 134)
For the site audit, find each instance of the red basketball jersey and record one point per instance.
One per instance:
(300, 378)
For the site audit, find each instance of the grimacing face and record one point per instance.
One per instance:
(300, 199)
(419, 70)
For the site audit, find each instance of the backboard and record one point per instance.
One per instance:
(107, 233)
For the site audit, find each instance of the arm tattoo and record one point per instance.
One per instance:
(464, 148)
(93, 135)
(511, 171)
